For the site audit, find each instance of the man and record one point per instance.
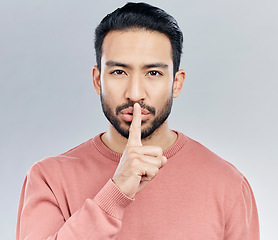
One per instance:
(138, 180)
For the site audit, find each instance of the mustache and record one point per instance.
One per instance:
(131, 104)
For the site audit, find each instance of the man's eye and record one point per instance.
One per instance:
(154, 73)
(118, 72)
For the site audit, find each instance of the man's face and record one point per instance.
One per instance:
(136, 66)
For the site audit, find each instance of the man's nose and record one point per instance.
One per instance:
(135, 89)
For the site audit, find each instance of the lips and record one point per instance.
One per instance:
(127, 114)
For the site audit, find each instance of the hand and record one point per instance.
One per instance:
(139, 164)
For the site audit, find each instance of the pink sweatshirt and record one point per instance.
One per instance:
(195, 196)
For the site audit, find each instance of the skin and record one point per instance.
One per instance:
(137, 66)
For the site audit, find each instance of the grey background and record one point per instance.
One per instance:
(229, 100)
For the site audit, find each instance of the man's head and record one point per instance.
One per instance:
(135, 63)
(141, 16)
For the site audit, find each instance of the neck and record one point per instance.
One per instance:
(162, 137)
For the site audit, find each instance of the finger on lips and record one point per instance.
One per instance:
(134, 138)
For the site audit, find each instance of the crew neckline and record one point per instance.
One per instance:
(114, 156)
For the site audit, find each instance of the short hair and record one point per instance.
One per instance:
(142, 16)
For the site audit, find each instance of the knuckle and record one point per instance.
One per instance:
(154, 172)
(132, 155)
(159, 163)
(135, 163)
(159, 150)
(129, 150)
(156, 162)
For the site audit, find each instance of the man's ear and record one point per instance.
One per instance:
(178, 83)
(96, 79)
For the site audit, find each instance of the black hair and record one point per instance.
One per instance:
(144, 16)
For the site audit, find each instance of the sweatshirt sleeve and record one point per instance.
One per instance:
(40, 216)
(243, 222)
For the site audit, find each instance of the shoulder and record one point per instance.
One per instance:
(64, 163)
(214, 164)
(217, 177)
(209, 168)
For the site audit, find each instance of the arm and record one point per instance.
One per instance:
(40, 216)
(243, 223)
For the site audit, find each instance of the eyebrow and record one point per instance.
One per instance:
(119, 64)
(156, 65)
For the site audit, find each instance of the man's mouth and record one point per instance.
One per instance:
(127, 114)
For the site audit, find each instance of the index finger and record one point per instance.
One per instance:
(134, 138)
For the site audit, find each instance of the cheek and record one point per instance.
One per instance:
(107, 92)
(112, 87)
(160, 92)
(112, 96)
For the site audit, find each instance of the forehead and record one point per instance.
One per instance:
(136, 46)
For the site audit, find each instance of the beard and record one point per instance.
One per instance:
(158, 120)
